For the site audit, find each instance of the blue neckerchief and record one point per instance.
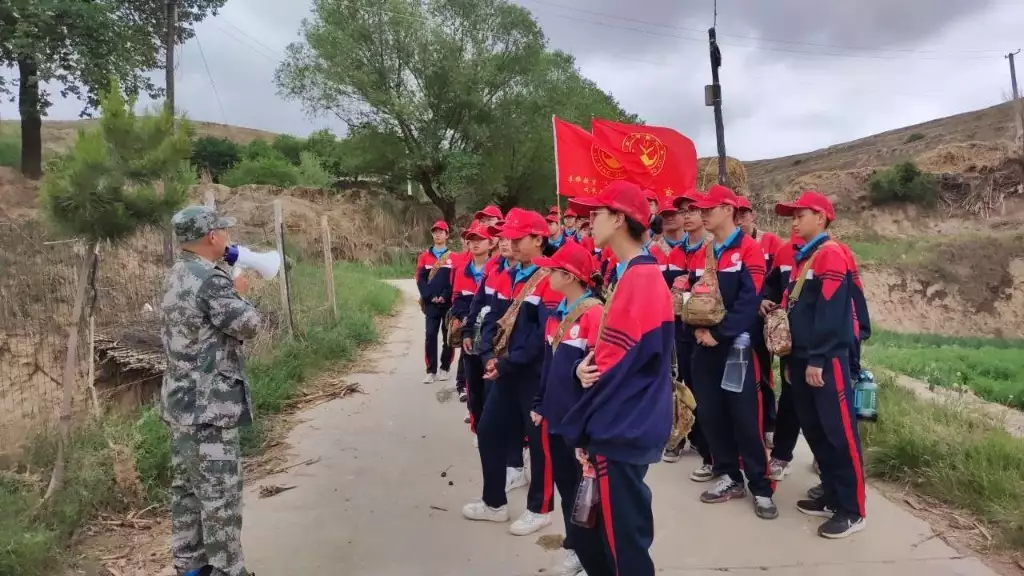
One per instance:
(436, 253)
(503, 264)
(574, 234)
(691, 248)
(620, 268)
(523, 273)
(806, 251)
(557, 243)
(565, 307)
(674, 243)
(719, 248)
(478, 274)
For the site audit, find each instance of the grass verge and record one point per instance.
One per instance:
(944, 451)
(991, 368)
(33, 538)
(10, 150)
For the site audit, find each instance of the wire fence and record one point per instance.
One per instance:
(37, 291)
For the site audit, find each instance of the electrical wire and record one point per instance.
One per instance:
(216, 93)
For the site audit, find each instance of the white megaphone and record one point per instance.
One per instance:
(266, 263)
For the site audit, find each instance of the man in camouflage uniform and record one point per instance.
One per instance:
(205, 395)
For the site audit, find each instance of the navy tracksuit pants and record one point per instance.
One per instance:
(787, 424)
(500, 433)
(619, 543)
(731, 421)
(460, 373)
(765, 382)
(473, 371)
(567, 472)
(830, 427)
(435, 323)
(684, 356)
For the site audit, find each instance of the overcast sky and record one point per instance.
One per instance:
(797, 74)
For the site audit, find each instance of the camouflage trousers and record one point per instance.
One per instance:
(206, 499)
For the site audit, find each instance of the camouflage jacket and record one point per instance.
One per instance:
(204, 322)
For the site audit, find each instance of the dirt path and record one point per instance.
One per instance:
(375, 504)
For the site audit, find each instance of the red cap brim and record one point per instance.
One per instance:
(668, 209)
(586, 204)
(546, 262)
(787, 208)
(467, 235)
(513, 233)
(707, 204)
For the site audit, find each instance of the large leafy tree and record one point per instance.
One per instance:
(80, 45)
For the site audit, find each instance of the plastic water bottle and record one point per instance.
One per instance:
(736, 365)
(584, 509)
(865, 397)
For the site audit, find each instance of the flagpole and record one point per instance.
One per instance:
(558, 179)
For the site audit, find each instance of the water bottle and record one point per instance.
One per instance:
(865, 396)
(736, 365)
(585, 507)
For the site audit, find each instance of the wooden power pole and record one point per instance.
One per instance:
(1018, 106)
(170, 40)
(713, 97)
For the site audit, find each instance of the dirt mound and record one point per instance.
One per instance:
(965, 157)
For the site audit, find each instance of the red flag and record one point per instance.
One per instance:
(670, 157)
(583, 166)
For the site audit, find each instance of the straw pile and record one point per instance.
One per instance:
(707, 173)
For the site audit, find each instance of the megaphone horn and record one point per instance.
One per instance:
(266, 263)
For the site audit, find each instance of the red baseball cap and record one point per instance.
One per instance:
(569, 213)
(440, 225)
(552, 218)
(620, 196)
(743, 204)
(573, 258)
(490, 211)
(667, 205)
(553, 210)
(717, 195)
(809, 200)
(688, 196)
(651, 195)
(520, 223)
(476, 229)
(584, 223)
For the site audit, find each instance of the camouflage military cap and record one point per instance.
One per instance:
(194, 222)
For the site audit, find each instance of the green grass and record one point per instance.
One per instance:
(10, 149)
(991, 368)
(32, 542)
(943, 451)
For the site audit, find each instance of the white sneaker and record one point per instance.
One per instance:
(481, 512)
(476, 441)
(443, 375)
(777, 469)
(571, 566)
(769, 440)
(515, 478)
(429, 379)
(702, 474)
(529, 523)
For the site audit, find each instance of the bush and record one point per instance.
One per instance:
(905, 183)
(258, 149)
(10, 151)
(312, 172)
(914, 137)
(290, 147)
(272, 170)
(216, 155)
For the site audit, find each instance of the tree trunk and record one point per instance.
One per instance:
(31, 120)
(86, 279)
(445, 205)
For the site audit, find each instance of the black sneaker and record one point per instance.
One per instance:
(815, 507)
(672, 454)
(815, 493)
(463, 397)
(841, 525)
(765, 508)
(726, 489)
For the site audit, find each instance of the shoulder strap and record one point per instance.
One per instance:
(437, 264)
(571, 319)
(711, 264)
(803, 272)
(509, 319)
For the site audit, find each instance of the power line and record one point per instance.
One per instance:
(261, 44)
(216, 93)
(255, 49)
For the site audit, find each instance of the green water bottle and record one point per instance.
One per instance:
(865, 397)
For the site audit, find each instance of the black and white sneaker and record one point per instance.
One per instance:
(463, 397)
(816, 492)
(841, 525)
(815, 507)
(726, 489)
(672, 454)
(765, 508)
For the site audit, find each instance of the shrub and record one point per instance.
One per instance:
(258, 149)
(10, 150)
(216, 155)
(290, 147)
(312, 172)
(914, 137)
(272, 170)
(903, 182)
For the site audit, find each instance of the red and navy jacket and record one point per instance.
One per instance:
(466, 281)
(484, 294)
(681, 262)
(861, 317)
(650, 249)
(627, 414)
(526, 343)
(821, 319)
(559, 389)
(777, 280)
(770, 245)
(740, 276)
(554, 244)
(439, 285)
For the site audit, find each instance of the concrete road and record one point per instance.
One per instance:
(377, 505)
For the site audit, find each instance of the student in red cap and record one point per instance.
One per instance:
(489, 215)
(571, 220)
(468, 279)
(512, 358)
(434, 280)
(587, 240)
(770, 245)
(571, 333)
(730, 411)
(680, 262)
(821, 320)
(623, 419)
(557, 237)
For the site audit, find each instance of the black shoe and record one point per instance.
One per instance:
(765, 508)
(463, 397)
(815, 507)
(841, 525)
(672, 454)
(816, 492)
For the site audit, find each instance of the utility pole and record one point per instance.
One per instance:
(1018, 106)
(170, 40)
(713, 97)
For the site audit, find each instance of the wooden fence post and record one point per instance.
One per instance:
(286, 303)
(329, 266)
(209, 199)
